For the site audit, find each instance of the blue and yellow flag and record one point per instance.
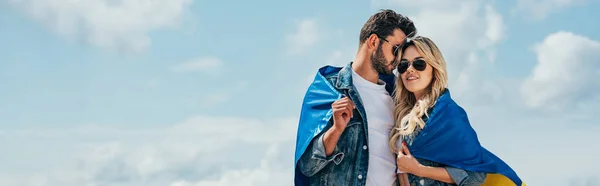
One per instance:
(315, 114)
(447, 138)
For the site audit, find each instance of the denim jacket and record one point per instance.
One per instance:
(348, 163)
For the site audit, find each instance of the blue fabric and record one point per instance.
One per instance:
(448, 130)
(315, 114)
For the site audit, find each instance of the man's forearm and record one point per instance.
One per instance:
(330, 139)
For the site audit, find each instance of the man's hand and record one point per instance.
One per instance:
(406, 162)
(342, 112)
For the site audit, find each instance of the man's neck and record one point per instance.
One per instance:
(365, 70)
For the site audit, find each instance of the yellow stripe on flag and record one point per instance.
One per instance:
(498, 180)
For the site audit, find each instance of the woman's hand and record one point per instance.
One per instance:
(406, 162)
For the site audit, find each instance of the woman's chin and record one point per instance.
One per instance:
(413, 89)
(410, 88)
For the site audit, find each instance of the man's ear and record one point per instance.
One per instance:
(372, 42)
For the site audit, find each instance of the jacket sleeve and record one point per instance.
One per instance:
(314, 158)
(466, 178)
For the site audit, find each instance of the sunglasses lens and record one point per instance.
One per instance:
(419, 64)
(402, 67)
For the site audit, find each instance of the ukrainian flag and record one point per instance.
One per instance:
(447, 138)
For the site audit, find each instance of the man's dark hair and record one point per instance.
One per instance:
(383, 24)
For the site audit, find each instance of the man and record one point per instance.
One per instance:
(347, 112)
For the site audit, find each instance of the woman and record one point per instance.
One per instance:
(432, 137)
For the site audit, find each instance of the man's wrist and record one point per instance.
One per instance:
(336, 130)
(330, 138)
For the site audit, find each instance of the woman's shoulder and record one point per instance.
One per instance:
(446, 104)
(446, 113)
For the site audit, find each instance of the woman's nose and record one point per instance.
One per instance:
(410, 69)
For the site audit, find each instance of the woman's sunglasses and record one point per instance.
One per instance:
(418, 64)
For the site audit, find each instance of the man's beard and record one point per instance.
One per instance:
(379, 63)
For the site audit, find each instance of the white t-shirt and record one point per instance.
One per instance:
(380, 111)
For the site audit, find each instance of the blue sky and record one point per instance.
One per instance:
(195, 93)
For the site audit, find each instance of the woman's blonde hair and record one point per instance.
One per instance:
(408, 111)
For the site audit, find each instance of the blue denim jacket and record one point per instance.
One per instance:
(348, 163)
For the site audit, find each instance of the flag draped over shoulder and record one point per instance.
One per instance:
(449, 139)
(315, 114)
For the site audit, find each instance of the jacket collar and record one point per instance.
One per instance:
(344, 80)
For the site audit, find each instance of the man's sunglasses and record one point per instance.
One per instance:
(418, 64)
(395, 48)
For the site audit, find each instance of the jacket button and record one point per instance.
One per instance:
(364, 147)
(359, 176)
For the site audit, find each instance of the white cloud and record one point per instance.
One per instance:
(204, 64)
(496, 30)
(458, 29)
(267, 173)
(539, 9)
(305, 36)
(566, 72)
(121, 25)
(201, 150)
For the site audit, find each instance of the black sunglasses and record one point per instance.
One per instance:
(395, 48)
(418, 64)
